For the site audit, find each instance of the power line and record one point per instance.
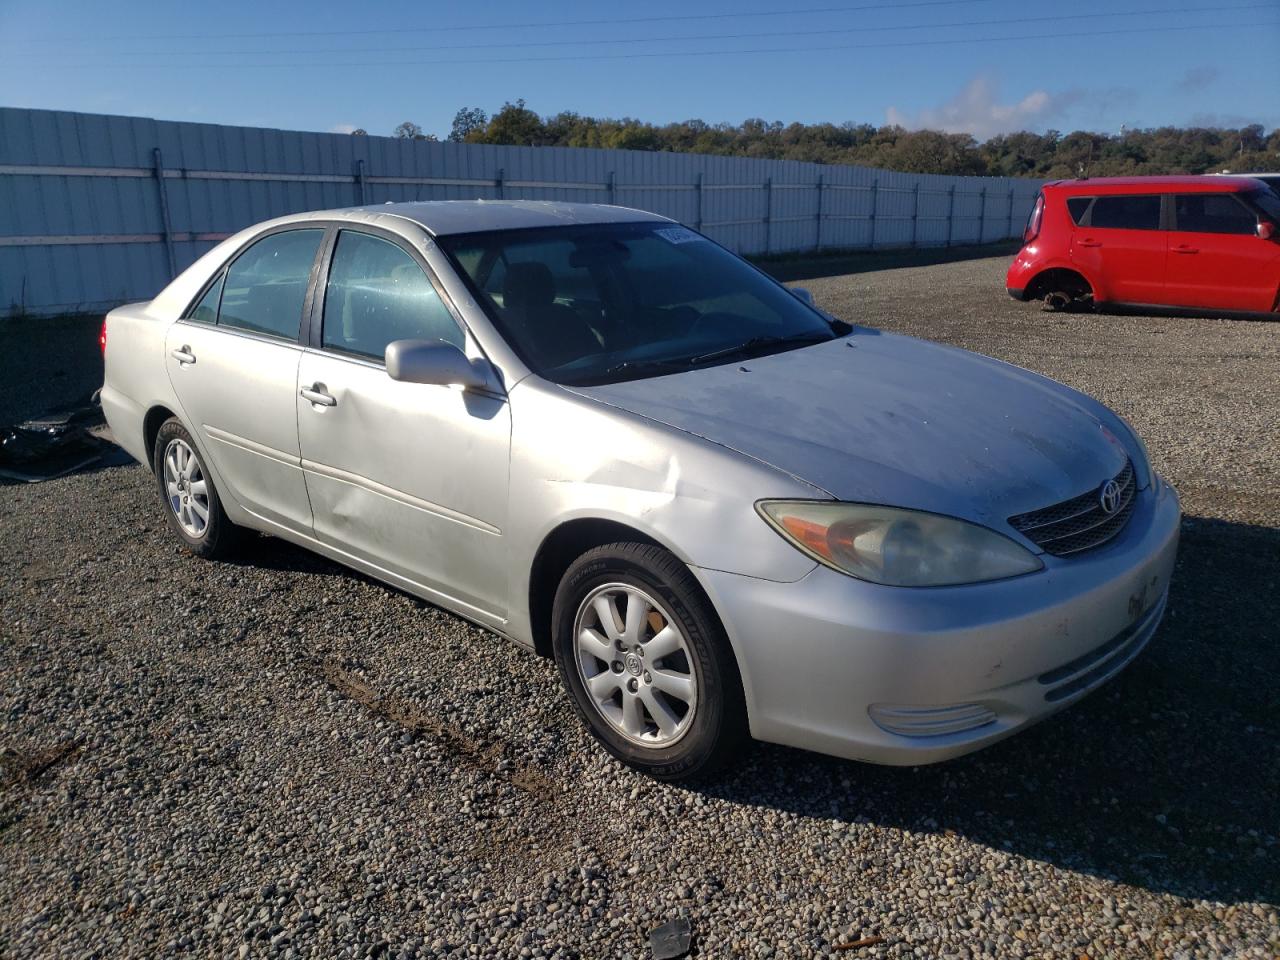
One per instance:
(950, 41)
(610, 21)
(709, 36)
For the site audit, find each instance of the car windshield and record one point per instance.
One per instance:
(600, 303)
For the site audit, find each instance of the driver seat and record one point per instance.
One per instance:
(551, 332)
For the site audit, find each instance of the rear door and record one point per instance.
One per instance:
(1119, 242)
(1216, 258)
(411, 478)
(233, 361)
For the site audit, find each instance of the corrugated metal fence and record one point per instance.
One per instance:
(97, 210)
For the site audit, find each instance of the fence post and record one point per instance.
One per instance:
(768, 213)
(360, 181)
(612, 187)
(951, 211)
(164, 212)
(875, 205)
(697, 188)
(821, 182)
(982, 217)
(915, 213)
(1010, 233)
(498, 183)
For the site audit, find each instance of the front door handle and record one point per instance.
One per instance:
(183, 355)
(1183, 248)
(1089, 242)
(318, 394)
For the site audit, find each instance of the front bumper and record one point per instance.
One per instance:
(958, 668)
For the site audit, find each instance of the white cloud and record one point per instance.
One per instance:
(976, 109)
(343, 128)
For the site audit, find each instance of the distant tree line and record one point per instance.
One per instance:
(1047, 155)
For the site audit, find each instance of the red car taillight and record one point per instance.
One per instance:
(1033, 222)
(102, 337)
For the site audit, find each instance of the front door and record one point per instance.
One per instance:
(1120, 243)
(233, 362)
(1216, 258)
(410, 478)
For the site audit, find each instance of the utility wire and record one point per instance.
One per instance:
(950, 41)
(610, 21)
(707, 36)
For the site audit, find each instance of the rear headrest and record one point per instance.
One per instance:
(528, 286)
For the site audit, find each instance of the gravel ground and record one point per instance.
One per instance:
(282, 758)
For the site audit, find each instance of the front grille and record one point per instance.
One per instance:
(1079, 523)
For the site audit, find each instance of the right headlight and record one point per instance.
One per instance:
(896, 547)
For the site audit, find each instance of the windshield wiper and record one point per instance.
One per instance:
(634, 366)
(754, 343)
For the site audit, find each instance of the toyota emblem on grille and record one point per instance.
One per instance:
(1109, 497)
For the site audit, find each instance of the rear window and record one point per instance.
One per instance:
(1126, 213)
(1076, 206)
(1213, 213)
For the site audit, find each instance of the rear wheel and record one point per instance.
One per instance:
(190, 501)
(1060, 291)
(646, 661)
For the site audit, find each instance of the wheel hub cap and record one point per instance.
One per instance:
(636, 665)
(186, 489)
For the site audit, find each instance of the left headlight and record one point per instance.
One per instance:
(896, 547)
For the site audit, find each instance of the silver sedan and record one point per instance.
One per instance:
(599, 434)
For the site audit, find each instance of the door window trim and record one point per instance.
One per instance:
(313, 338)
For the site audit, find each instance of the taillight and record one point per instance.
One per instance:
(1033, 222)
(102, 337)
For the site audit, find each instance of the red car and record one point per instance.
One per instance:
(1199, 243)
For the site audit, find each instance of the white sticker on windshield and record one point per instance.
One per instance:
(678, 235)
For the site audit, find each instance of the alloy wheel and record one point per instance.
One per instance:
(635, 664)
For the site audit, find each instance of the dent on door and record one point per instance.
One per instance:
(410, 477)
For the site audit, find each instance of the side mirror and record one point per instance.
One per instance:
(437, 362)
(800, 293)
(1266, 229)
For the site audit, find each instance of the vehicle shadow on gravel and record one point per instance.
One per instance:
(1167, 778)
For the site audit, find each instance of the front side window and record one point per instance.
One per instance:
(1126, 213)
(600, 303)
(377, 294)
(266, 286)
(1213, 213)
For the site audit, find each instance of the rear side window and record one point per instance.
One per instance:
(377, 294)
(1126, 213)
(1076, 206)
(206, 311)
(1213, 213)
(266, 286)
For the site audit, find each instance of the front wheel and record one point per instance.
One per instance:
(646, 662)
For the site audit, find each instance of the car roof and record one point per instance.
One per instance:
(1185, 184)
(445, 217)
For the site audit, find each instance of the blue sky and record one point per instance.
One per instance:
(333, 66)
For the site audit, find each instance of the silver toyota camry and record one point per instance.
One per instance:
(599, 434)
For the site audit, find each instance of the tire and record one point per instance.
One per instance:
(185, 489)
(677, 715)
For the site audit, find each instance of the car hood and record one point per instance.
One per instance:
(882, 418)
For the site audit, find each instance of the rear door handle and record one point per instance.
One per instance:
(183, 355)
(318, 394)
(1183, 248)
(1089, 243)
